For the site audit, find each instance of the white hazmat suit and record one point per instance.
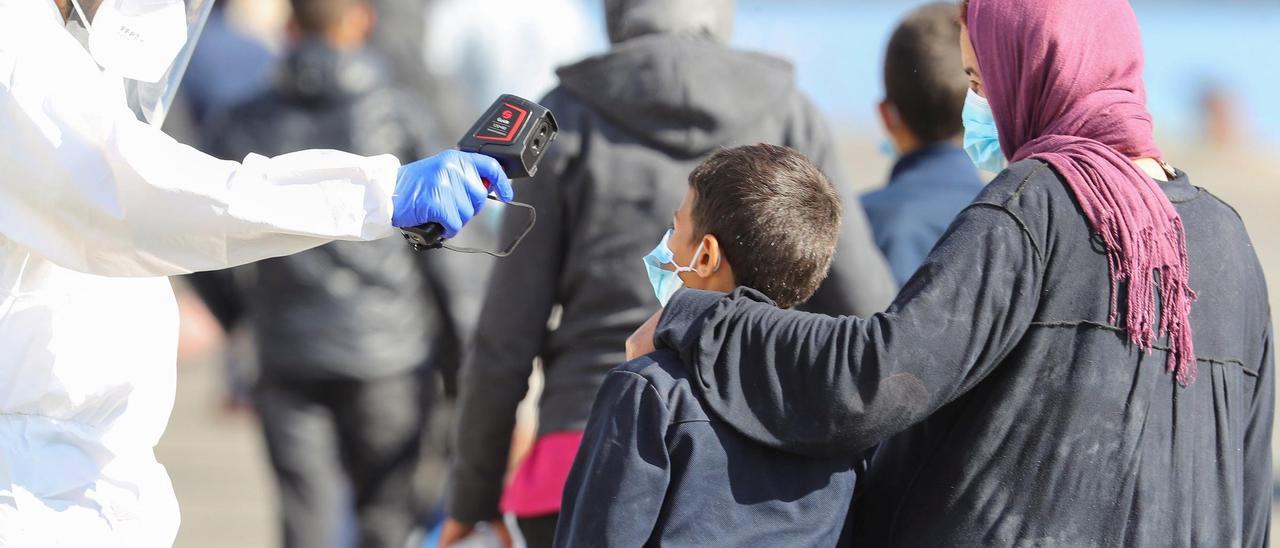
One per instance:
(96, 208)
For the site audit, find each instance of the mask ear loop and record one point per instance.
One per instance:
(719, 259)
(533, 219)
(702, 248)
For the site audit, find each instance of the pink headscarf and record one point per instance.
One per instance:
(1064, 80)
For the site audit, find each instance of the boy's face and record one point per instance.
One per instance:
(711, 270)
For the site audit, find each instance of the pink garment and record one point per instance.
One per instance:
(538, 484)
(1064, 80)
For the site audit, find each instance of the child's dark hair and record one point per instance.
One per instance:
(924, 75)
(776, 217)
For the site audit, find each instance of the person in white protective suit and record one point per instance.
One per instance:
(97, 207)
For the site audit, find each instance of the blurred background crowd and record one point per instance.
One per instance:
(317, 392)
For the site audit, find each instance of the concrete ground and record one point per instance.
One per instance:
(219, 467)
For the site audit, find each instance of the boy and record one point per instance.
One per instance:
(658, 467)
(933, 179)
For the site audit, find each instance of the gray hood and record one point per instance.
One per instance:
(687, 95)
(628, 19)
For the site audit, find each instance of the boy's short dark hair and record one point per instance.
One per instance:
(924, 74)
(776, 217)
(317, 16)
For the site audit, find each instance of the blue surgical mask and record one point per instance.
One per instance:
(887, 149)
(666, 282)
(981, 141)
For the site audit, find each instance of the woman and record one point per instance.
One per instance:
(1045, 371)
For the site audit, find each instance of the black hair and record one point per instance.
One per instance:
(924, 75)
(317, 16)
(775, 215)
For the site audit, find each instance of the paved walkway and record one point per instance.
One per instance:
(219, 467)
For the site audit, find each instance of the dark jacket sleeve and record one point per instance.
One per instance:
(615, 490)
(495, 375)
(859, 282)
(1258, 482)
(830, 386)
(447, 340)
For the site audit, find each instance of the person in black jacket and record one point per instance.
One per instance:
(633, 123)
(344, 332)
(655, 468)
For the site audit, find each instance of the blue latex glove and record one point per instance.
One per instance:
(446, 188)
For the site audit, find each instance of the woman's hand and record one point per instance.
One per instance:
(641, 341)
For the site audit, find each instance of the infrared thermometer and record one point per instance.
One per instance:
(514, 131)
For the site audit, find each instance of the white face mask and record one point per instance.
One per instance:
(137, 39)
(146, 43)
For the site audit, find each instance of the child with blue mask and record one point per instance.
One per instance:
(749, 230)
(764, 218)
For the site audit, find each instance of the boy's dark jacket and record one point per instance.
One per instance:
(655, 469)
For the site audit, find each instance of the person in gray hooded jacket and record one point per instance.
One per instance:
(634, 122)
